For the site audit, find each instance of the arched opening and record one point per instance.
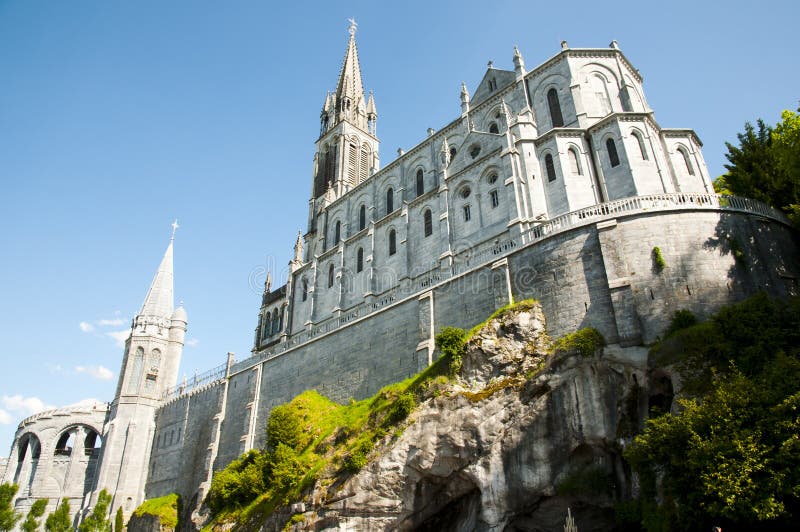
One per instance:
(613, 156)
(392, 242)
(555, 108)
(275, 322)
(640, 141)
(337, 233)
(92, 443)
(267, 326)
(686, 160)
(330, 275)
(65, 443)
(428, 222)
(550, 167)
(574, 162)
(305, 289)
(389, 201)
(360, 259)
(493, 128)
(362, 217)
(364, 163)
(420, 182)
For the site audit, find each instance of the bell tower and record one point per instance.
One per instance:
(347, 148)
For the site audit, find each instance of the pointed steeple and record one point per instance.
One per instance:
(464, 98)
(350, 85)
(159, 300)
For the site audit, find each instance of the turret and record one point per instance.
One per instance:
(464, 98)
(519, 63)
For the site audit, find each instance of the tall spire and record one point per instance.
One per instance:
(159, 300)
(350, 85)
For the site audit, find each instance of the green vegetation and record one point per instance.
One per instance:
(8, 516)
(98, 520)
(766, 165)
(658, 260)
(584, 342)
(451, 342)
(32, 523)
(59, 520)
(119, 521)
(166, 508)
(732, 456)
(593, 480)
(737, 252)
(681, 319)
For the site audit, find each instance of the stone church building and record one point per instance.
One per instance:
(555, 182)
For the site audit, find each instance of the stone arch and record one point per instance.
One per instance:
(638, 136)
(574, 159)
(540, 98)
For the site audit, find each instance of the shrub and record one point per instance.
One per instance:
(681, 319)
(584, 342)
(355, 461)
(165, 508)
(658, 260)
(239, 483)
(451, 341)
(119, 521)
(283, 427)
(402, 407)
(97, 521)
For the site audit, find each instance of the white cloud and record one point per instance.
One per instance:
(5, 417)
(85, 402)
(23, 406)
(120, 336)
(86, 326)
(97, 372)
(192, 342)
(111, 323)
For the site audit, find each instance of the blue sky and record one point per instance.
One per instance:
(116, 117)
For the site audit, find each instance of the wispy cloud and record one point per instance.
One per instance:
(86, 326)
(54, 368)
(5, 417)
(116, 322)
(192, 342)
(119, 336)
(97, 372)
(86, 402)
(17, 406)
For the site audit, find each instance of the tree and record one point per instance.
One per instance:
(98, 520)
(8, 516)
(32, 523)
(59, 520)
(119, 521)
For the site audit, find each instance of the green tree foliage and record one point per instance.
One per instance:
(59, 520)
(451, 341)
(98, 520)
(766, 165)
(119, 521)
(283, 427)
(239, 483)
(8, 516)
(584, 341)
(32, 523)
(732, 456)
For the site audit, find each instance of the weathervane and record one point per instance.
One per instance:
(174, 228)
(353, 26)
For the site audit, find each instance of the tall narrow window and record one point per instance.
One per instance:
(360, 260)
(420, 182)
(555, 108)
(494, 198)
(640, 140)
(550, 167)
(363, 167)
(330, 276)
(613, 157)
(392, 242)
(493, 128)
(275, 322)
(389, 201)
(352, 165)
(428, 222)
(267, 326)
(362, 217)
(467, 213)
(574, 163)
(337, 233)
(686, 160)
(305, 289)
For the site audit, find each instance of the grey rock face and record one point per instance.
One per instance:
(504, 449)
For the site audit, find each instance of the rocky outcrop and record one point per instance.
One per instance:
(520, 437)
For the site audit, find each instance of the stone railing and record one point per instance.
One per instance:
(198, 381)
(66, 411)
(495, 249)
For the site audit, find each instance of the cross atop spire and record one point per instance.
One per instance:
(353, 27)
(174, 228)
(350, 89)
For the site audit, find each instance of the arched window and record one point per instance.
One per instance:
(555, 108)
(428, 222)
(686, 160)
(550, 167)
(305, 289)
(640, 140)
(92, 443)
(276, 322)
(494, 199)
(267, 329)
(389, 201)
(136, 370)
(574, 162)
(330, 276)
(360, 260)
(493, 128)
(453, 153)
(364, 163)
(492, 179)
(362, 217)
(392, 242)
(337, 233)
(420, 182)
(467, 213)
(155, 358)
(65, 443)
(280, 322)
(613, 157)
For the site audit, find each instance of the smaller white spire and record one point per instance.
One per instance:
(464, 97)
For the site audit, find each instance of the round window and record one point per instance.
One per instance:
(465, 192)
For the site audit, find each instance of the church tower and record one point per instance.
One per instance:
(347, 148)
(149, 369)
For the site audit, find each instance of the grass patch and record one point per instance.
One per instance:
(584, 342)
(165, 508)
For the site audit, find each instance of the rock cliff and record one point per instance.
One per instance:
(516, 439)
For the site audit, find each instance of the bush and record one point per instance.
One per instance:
(451, 341)
(283, 427)
(355, 461)
(402, 407)
(681, 319)
(584, 342)
(658, 260)
(166, 508)
(239, 483)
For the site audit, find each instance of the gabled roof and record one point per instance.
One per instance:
(492, 81)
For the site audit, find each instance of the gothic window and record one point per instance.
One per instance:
(275, 322)
(392, 242)
(364, 166)
(492, 179)
(136, 370)
(640, 141)
(155, 359)
(420, 182)
(686, 161)
(555, 108)
(280, 322)
(467, 213)
(268, 325)
(613, 156)
(474, 150)
(389, 201)
(600, 90)
(494, 198)
(428, 222)
(493, 128)
(550, 167)
(362, 217)
(352, 164)
(305, 289)
(465, 192)
(337, 233)
(452, 153)
(360, 260)
(330, 276)
(574, 162)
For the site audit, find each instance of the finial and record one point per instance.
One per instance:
(174, 228)
(564, 45)
(490, 64)
(353, 26)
